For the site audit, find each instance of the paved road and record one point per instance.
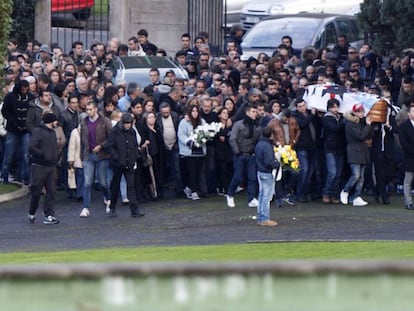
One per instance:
(208, 221)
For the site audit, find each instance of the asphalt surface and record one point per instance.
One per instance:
(207, 221)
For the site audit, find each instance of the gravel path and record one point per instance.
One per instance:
(208, 221)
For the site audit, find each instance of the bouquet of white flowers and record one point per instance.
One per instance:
(203, 133)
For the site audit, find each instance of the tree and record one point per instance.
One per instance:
(23, 21)
(388, 24)
(6, 7)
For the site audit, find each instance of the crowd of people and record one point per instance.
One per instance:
(136, 142)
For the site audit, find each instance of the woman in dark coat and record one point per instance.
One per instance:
(357, 129)
(156, 151)
(223, 153)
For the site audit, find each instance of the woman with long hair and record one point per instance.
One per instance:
(191, 153)
(230, 105)
(222, 152)
(110, 98)
(55, 77)
(90, 68)
(156, 151)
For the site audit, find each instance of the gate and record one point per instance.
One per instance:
(207, 16)
(79, 20)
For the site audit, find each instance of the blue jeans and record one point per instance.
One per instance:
(334, 166)
(266, 188)
(89, 166)
(172, 168)
(307, 160)
(242, 164)
(356, 179)
(79, 182)
(17, 145)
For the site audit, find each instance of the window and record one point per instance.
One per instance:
(344, 28)
(330, 35)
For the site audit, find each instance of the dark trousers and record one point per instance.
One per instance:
(192, 168)
(42, 176)
(384, 169)
(130, 181)
(244, 164)
(224, 174)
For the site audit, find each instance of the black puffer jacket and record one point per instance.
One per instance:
(307, 140)
(15, 108)
(43, 146)
(333, 133)
(123, 147)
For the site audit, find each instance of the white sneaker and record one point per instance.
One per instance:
(358, 201)
(253, 203)
(194, 196)
(107, 206)
(344, 197)
(84, 213)
(188, 193)
(230, 201)
(239, 189)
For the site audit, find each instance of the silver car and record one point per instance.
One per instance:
(136, 68)
(256, 10)
(317, 30)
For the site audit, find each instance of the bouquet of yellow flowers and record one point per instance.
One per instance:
(287, 158)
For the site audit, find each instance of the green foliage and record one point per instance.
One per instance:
(23, 21)
(388, 23)
(5, 25)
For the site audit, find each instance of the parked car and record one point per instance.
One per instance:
(256, 10)
(81, 9)
(317, 30)
(232, 10)
(136, 68)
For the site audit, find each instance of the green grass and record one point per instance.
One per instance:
(6, 188)
(380, 250)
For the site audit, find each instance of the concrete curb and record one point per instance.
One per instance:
(24, 190)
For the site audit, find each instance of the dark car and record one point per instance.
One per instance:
(136, 68)
(317, 30)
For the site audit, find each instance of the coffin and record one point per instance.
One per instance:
(378, 111)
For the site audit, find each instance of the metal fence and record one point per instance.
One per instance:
(207, 16)
(85, 25)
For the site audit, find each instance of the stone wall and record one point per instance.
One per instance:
(165, 21)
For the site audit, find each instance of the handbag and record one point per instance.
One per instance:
(71, 178)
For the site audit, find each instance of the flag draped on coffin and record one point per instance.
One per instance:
(317, 96)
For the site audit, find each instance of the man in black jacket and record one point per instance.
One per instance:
(123, 147)
(44, 154)
(15, 108)
(305, 147)
(333, 129)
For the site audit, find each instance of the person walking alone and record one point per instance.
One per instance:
(266, 163)
(123, 147)
(44, 157)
